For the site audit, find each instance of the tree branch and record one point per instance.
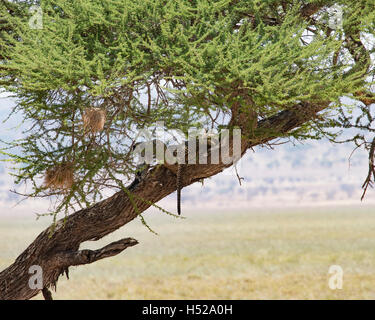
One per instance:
(47, 295)
(76, 258)
(371, 170)
(54, 254)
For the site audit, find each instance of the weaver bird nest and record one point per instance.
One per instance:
(60, 177)
(94, 119)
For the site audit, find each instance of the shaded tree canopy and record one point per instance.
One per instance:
(188, 63)
(181, 62)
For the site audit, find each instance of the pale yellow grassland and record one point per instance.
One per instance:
(259, 254)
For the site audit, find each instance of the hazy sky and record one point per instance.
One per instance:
(313, 173)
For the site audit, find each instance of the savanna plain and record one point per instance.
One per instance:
(249, 254)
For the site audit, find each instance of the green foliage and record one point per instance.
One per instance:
(177, 61)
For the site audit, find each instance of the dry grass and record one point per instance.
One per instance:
(255, 255)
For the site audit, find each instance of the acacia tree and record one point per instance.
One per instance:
(96, 72)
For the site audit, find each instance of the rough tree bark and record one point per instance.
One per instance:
(57, 253)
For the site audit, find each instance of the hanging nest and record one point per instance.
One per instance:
(94, 120)
(60, 177)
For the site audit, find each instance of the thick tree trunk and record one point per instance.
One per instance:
(56, 253)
